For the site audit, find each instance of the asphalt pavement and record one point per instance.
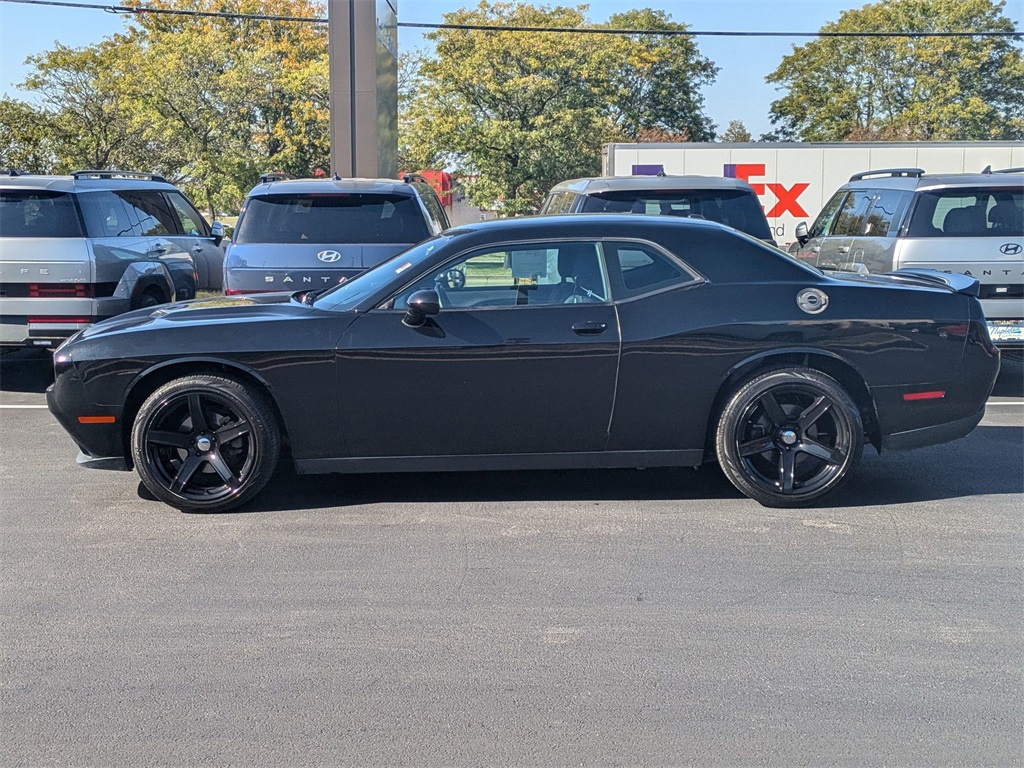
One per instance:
(517, 618)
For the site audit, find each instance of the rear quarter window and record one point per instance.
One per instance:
(968, 212)
(38, 213)
(332, 219)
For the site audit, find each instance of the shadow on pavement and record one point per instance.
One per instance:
(986, 462)
(26, 370)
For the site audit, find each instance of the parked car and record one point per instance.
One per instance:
(902, 217)
(538, 342)
(81, 248)
(315, 233)
(732, 202)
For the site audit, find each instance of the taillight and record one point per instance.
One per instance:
(238, 292)
(58, 320)
(61, 291)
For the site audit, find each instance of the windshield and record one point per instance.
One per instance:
(735, 208)
(348, 295)
(332, 219)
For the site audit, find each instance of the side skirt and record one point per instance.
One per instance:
(503, 461)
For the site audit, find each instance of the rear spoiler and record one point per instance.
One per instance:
(954, 281)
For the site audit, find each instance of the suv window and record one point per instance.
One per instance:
(191, 223)
(334, 218)
(107, 215)
(966, 212)
(854, 213)
(37, 213)
(823, 223)
(435, 209)
(150, 211)
(560, 202)
(885, 205)
(733, 207)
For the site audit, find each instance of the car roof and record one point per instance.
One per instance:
(72, 184)
(596, 185)
(938, 180)
(555, 226)
(327, 186)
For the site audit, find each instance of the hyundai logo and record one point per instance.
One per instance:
(329, 256)
(1011, 249)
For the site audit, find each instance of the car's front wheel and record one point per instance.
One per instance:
(205, 443)
(789, 437)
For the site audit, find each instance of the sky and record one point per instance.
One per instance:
(739, 93)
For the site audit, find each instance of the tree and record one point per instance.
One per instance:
(28, 137)
(930, 88)
(736, 132)
(654, 82)
(520, 111)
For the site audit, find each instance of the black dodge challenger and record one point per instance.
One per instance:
(535, 343)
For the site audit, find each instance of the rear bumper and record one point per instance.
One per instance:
(933, 435)
(245, 280)
(46, 322)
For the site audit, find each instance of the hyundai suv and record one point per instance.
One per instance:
(295, 234)
(81, 248)
(902, 217)
(728, 201)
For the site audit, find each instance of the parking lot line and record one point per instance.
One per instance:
(21, 406)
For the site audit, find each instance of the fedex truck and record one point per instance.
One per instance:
(795, 180)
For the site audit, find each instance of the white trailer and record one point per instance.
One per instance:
(795, 180)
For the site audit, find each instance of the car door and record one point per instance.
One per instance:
(873, 248)
(158, 224)
(521, 359)
(836, 248)
(193, 236)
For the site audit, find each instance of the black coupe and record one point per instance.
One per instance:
(535, 343)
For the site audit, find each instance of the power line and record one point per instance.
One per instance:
(140, 10)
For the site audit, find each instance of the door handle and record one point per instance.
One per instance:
(589, 328)
(197, 248)
(844, 249)
(159, 250)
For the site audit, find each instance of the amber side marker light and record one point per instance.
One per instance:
(936, 395)
(96, 419)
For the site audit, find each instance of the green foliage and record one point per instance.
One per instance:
(736, 132)
(27, 137)
(905, 88)
(518, 112)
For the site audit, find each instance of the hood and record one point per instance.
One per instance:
(219, 309)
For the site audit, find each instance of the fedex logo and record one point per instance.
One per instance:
(786, 198)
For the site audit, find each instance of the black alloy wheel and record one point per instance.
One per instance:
(205, 443)
(789, 437)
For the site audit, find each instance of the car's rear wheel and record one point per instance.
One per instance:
(789, 437)
(205, 443)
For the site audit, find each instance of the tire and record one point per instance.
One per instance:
(789, 437)
(148, 298)
(212, 466)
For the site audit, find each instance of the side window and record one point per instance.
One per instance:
(887, 203)
(516, 276)
(190, 222)
(106, 215)
(823, 224)
(854, 213)
(560, 202)
(152, 213)
(644, 269)
(959, 212)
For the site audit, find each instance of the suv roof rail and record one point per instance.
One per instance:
(409, 178)
(1009, 170)
(910, 172)
(266, 178)
(100, 173)
(13, 172)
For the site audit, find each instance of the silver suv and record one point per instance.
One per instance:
(901, 217)
(78, 249)
(295, 234)
(728, 201)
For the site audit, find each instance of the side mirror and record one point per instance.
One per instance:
(801, 233)
(217, 230)
(421, 305)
